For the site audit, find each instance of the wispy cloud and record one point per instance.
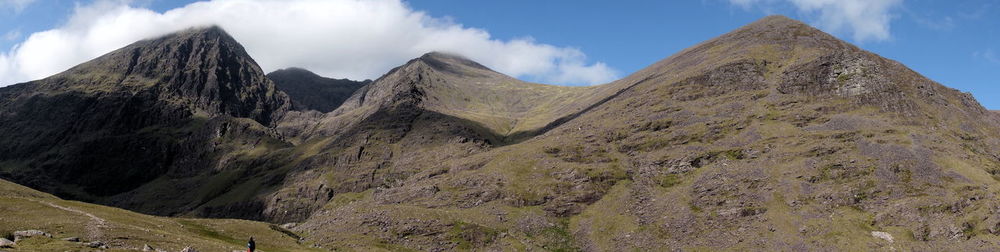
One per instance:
(934, 23)
(987, 55)
(976, 12)
(865, 20)
(16, 5)
(12, 35)
(358, 39)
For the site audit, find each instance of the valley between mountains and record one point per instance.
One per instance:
(775, 136)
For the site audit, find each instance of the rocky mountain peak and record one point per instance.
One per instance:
(781, 30)
(309, 91)
(448, 61)
(208, 32)
(204, 69)
(773, 123)
(127, 105)
(432, 71)
(776, 21)
(294, 71)
(775, 39)
(795, 58)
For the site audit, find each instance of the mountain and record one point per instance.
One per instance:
(503, 108)
(775, 136)
(153, 126)
(436, 108)
(308, 91)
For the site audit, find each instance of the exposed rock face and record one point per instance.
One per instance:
(201, 69)
(859, 76)
(169, 106)
(774, 136)
(308, 91)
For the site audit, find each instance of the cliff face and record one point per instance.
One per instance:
(775, 136)
(170, 106)
(203, 70)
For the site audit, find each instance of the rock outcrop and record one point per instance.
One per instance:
(24, 234)
(775, 136)
(174, 106)
(4, 243)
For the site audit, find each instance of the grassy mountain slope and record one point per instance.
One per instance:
(435, 108)
(773, 136)
(506, 108)
(27, 209)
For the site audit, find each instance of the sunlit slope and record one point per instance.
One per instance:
(26, 209)
(507, 108)
(774, 136)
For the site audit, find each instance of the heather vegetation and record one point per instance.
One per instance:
(775, 136)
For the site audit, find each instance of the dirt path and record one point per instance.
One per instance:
(93, 227)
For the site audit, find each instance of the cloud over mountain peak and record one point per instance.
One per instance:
(341, 38)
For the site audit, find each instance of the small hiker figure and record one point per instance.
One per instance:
(251, 246)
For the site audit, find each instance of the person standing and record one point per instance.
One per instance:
(251, 246)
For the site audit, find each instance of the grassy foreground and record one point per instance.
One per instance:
(22, 208)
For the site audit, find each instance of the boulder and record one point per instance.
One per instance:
(189, 249)
(4, 243)
(882, 235)
(96, 244)
(72, 239)
(19, 235)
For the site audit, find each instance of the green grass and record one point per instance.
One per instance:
(558, 238)
(669, 180)
(469, 236)
(22, 208)
(206, 232)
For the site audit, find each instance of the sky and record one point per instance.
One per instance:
(564, 42)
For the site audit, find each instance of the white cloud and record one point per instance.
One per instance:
(355, 39)
(987, 55)
(12, 35)
(864, 19)
(16, 5)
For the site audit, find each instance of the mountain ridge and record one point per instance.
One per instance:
(433, 78)
(773, 136)
(142, 66)
(771, 121)
(117, 122)
(309, 91)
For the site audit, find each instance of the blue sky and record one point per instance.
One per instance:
(952, 42)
